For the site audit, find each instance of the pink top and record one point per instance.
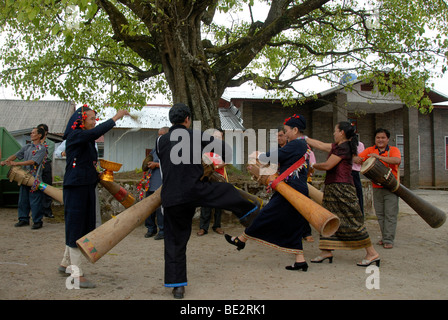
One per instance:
(357, 167)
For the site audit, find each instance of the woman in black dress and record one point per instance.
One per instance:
(279, 225)
(80, 180)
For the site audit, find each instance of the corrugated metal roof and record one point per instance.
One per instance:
(22, 114)
(231, 118)
(156, 117)
(149, 117)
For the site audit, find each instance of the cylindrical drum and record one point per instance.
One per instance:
(376, 171)
(381, 175)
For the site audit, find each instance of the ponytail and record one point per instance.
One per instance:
(350, 134)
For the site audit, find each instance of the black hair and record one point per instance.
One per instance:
(79, 123)
(350, 134)
(41, 132)
(380, 130)
(178, 113)
(44, 126)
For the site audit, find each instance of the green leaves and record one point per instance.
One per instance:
(71, 54)
(70, 49)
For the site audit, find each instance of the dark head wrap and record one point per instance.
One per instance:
(297, 121)
(75, 121)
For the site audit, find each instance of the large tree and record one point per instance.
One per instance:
(124, 51)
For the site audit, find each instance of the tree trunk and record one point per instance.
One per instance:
(187, 72)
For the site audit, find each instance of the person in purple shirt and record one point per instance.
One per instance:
(340, 197)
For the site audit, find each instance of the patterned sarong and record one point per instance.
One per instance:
(341, 200)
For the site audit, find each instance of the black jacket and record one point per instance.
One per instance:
(180, 164)
(82, 155)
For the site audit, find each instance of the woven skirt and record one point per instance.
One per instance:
(279, 225)
(341, 200)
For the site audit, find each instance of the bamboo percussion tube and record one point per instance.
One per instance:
(325, 222)
(98, 242)
(315, 194)
(23, 177)
(119, 193)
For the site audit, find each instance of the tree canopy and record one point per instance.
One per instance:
(120, 52)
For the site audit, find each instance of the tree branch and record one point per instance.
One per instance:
(141, 44)
(138, 73)
(233, 63)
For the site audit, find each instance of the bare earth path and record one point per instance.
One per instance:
(415, 269)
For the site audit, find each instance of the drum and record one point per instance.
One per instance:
(209, 170)
(381, 175)
(25, 178)
(20, 176)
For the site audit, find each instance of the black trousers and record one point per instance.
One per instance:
(358, 186)
(47, 177)
(178, 223)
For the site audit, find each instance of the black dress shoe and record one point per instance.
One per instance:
(150, 234)
(159, 237)
(298, 266)
(178, 292)
(22, 223)
(37, 225)
(236, 242)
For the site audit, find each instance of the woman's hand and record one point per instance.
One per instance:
(120, 114)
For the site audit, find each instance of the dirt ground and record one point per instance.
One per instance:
(134, 269)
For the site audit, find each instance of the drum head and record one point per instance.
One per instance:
(368, 164)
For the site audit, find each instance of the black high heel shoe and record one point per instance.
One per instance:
(236, 242)
(298, 266)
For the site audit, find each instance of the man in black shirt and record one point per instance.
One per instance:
(180, 153)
